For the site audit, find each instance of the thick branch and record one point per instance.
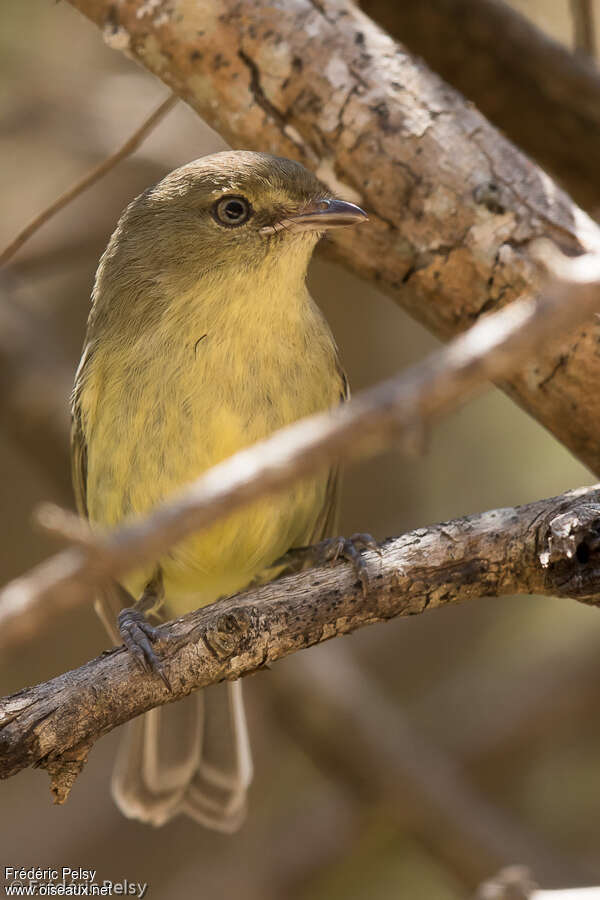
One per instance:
(454, 207)
(393, 410)
(506, 551)
(545, 98)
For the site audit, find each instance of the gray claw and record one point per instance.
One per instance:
(331, 550)
(137, 634)
(366, 541)
(350, 550)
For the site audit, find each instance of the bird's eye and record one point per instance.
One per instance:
(232, 211)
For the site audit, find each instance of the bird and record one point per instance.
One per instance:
(202, 339)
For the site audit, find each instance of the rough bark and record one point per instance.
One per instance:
(454, 206)
(545, 98)
(545, 547)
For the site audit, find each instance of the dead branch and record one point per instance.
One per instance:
(584, 31)
(545, 98)
(526, 549)
(454, 206)
(422, 788)
(516, 883)
(94, 175)
(391, 411)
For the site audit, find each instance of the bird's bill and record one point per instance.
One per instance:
(321, 216)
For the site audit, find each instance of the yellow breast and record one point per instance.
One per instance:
(214, 377)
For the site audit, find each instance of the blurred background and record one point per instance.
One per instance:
(411, 760)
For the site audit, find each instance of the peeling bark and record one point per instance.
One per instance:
(545, 98)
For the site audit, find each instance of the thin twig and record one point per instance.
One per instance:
(516, 883)
(584, 32)
(94, 175)
(499, 552)
(582, 893)
(492, 349)
(63, 524)
(421, 786)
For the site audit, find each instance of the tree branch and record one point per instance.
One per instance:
(527, 549)
(389, 762)
(391, 411)
(543, 96)
(454, 207)
(584, 31)
(516, 883)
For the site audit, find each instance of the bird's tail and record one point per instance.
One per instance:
(189, 757)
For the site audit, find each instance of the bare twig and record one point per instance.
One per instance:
(65, 525)
(582, 893)
(54, 724)
(94, 175)
(388, 762)
(391, 411)
(584, 32)
(516, 883)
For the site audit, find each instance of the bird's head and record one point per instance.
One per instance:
(236, 209)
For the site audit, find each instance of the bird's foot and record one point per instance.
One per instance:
(138, 636)
(332, 549)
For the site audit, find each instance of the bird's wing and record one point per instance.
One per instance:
(327, 522)
(111, 598)
(79, 461)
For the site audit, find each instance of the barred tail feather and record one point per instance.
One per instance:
(189, 757)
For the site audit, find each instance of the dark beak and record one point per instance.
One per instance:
(329, 214)
(321, 216)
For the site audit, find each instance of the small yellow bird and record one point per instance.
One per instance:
(203, 339)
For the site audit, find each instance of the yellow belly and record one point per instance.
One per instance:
(229, 555)
(156, 421)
